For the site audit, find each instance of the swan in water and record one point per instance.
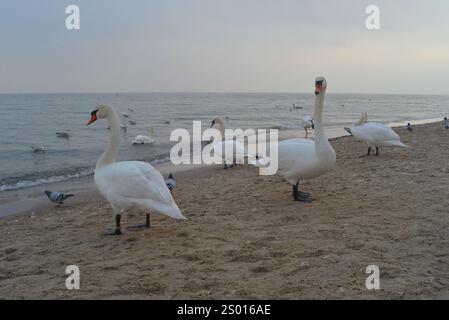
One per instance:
(374, 134)
(303, 159)
(308, 123)
(230, 151)
(39, 148)
(129, 184)
(140, 139)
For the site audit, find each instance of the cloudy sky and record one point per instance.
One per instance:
(224, 45)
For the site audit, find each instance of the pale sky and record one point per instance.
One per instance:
(224, 46)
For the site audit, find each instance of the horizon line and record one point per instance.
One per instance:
(218, 92)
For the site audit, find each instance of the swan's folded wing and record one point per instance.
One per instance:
(378, 132)
(294, 152)
(137, 180)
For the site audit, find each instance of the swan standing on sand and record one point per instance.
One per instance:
(129, 184)
(374, 134)
(302, 159)
(308, 123)
(229, 150)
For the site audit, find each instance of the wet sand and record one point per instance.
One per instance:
(246, 238)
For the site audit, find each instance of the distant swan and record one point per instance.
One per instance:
(302, 159)
(374, 134)
(140, 139)
(229, 150)
(129, 184)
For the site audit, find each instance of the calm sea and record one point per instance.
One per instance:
(32, 120)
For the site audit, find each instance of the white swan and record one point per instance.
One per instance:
(231, 151)
(374, 134)
(129, 184)
(302, 159)
(308, 123)
(140, 139)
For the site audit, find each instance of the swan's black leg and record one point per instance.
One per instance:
(117, 230)
(300, 196)
(145, 225)
(295, 189)
(377, 151)
(225, 166)
(369, 151)
(147, 220)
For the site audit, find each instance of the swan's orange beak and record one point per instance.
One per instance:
(93, 118)
(318, 86)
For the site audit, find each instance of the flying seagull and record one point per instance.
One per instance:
(57, 197)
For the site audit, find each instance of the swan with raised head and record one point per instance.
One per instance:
(129, 184)
(374, 134)
(303, 159)
(231, 151)
(308, 123)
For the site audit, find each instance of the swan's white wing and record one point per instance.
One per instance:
(295, 157)
(230, 151)
(376, 133)
(130, 183)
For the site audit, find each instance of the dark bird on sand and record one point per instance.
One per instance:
(57, 197)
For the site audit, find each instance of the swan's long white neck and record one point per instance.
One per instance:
(321, 142)
(221, 127)
(110, 154)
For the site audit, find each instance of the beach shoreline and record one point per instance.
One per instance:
(32, 199)
(246, 239)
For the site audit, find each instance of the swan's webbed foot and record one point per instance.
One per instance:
(366, 155)
(377, 151)
(301, 196)
(140, 226)
(115, 232)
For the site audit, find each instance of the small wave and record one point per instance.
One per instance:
(31, 183)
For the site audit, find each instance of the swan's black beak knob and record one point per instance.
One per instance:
(93, 117)
(318, 87)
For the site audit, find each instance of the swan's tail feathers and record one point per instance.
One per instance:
(175, 213)
(171, 183)
(363, 118)
(397, 143)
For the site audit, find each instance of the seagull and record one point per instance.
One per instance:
(57, 197)
(171, 183)
(64, 135)
(409, 127)
(39, 148)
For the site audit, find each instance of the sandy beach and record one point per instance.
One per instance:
(246, 238)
